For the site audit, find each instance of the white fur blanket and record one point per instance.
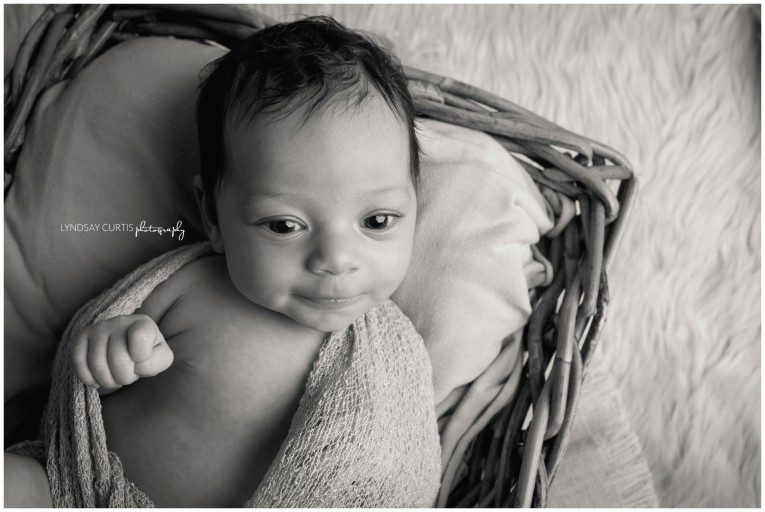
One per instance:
(676, 89)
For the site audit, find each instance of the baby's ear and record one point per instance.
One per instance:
(208, 214)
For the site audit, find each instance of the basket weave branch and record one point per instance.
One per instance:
(512, 461)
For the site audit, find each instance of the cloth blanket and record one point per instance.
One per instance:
(364, 434)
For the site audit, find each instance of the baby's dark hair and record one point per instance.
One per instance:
(313, 62)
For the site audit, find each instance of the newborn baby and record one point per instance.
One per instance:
(307, 191)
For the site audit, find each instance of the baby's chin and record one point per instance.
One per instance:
(328, 317)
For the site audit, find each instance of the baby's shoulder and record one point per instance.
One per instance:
(208, 309)
(165, 295)
(209, 269)
(205, 278)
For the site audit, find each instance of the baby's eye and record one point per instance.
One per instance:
(379, 222)
(282, 227)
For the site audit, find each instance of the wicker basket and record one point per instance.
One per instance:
(589, 186)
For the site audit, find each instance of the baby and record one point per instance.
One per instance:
(307, 191)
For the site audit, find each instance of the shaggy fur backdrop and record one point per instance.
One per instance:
(677, 90)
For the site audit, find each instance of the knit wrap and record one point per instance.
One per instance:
(364, 434)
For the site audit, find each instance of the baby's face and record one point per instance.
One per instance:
(317, 221)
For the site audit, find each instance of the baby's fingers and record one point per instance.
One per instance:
(142, 336)
(98, 360)
(160, 360)
(80, 361)
(121, 365)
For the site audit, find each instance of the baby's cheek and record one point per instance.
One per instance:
(253, 280)
(392, 266)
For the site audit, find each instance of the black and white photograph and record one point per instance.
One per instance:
(382, 255)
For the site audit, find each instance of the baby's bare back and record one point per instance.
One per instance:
(205, 431)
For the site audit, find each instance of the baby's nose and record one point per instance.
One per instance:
(334, 255)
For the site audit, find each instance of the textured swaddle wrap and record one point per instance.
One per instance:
(364, 434)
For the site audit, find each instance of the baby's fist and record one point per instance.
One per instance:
(119, 351)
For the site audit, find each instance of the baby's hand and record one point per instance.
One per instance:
(113, 353)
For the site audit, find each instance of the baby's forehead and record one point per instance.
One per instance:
(367, 134)
(268, 130)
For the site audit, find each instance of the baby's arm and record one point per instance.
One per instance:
(26, 484)
(118, 351)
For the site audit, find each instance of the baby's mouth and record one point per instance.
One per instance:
(330, 301)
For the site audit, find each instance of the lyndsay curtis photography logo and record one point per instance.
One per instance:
(136, 229)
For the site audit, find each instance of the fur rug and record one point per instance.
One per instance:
(676, 89)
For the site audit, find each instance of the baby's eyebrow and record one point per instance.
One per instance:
(265, 195)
